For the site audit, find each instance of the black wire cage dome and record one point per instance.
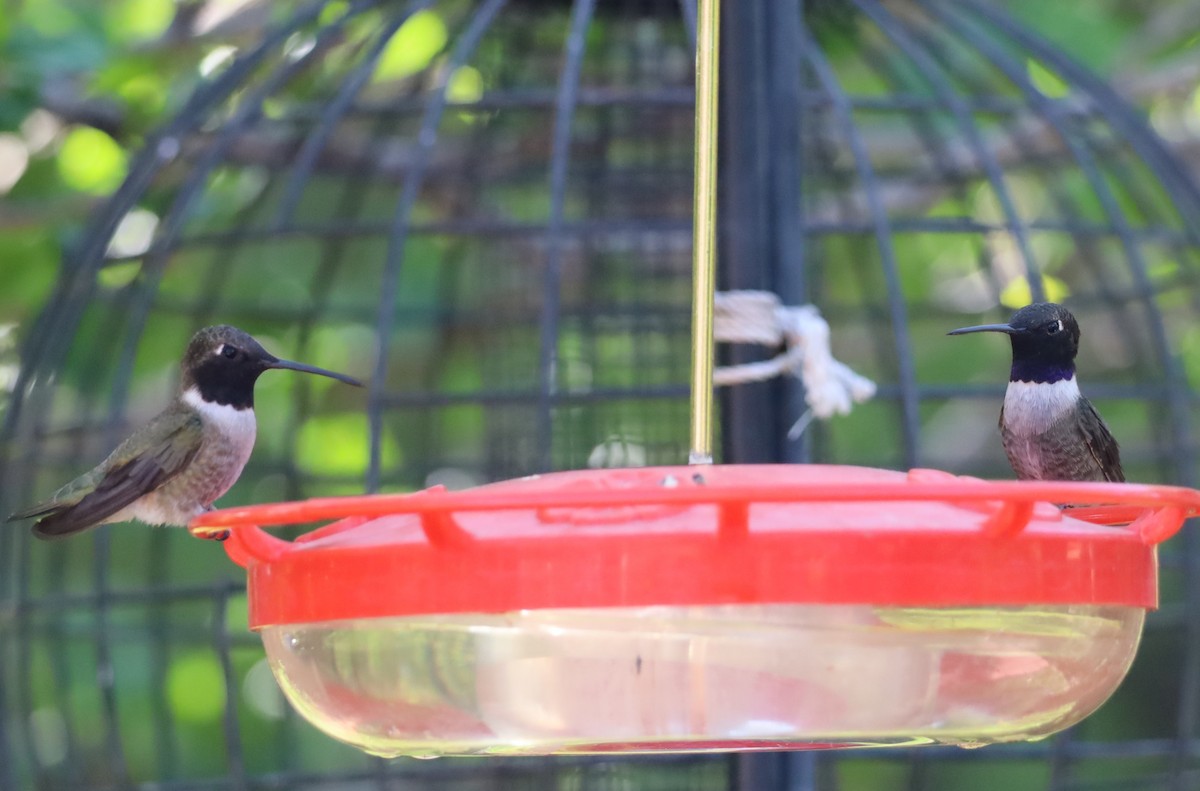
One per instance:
(485, 210)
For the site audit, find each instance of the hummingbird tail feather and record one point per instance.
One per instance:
(93, 509)
(40, 509)
(56, 520)
(60, 525)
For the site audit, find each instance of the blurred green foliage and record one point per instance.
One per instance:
(413, 46)
(90, 161)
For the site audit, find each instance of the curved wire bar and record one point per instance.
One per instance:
(106, 672)
(247, 112)
(317, 137)
(881, 225)
(1189, 719)
(1085, 235)
(931, 71)
(8, 778)
(231, 726)
(1054, 114)
(940, 150)
(59, 672)
(426, 139)
(158, 626)
(46, 349)
(560, 156)
(1182, 188)
(162, 148)
(1127, 122)
(63, 314)
(332, 258)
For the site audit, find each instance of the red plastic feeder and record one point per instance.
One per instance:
(702, 608)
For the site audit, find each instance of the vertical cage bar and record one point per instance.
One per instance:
(762, 231)
(566, 101)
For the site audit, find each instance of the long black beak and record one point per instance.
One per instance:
(1008, 329)
(312, 369)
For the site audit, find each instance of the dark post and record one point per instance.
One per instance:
(761, 246)
(759, 213)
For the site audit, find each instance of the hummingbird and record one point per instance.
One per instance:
(173, 468)
(1049, 429)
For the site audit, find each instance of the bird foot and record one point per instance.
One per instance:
(209, 533)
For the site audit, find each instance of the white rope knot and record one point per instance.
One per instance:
(830, 387)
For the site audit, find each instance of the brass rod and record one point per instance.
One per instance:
(704, 230)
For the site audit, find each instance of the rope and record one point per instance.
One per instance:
(758, 317)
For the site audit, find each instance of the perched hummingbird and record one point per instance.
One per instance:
(1050, 431)
(173, 468)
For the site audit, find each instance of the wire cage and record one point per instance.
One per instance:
(484, 209)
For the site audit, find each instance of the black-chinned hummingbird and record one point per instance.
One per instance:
(1049, 429)
(173, 468)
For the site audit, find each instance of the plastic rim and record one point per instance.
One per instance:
(725, 534)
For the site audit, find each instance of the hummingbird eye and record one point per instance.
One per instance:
(1054, 328)
(229, 351)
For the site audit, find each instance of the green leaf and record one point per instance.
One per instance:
(1046, 81)
(196, 688)
(1017, 293)
(412, 48)
(332, 11)
(91, 161)
(140, 82)
(132, 20)
(465, 86)
(119, 275)
(339, 445)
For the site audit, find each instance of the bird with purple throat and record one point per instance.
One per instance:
(1050, 431)
(173, 468)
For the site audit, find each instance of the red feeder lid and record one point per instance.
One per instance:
(726, 534)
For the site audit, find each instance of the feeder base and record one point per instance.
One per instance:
(702, 678)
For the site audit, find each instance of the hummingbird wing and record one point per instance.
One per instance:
(122, 478)
(1101, 444)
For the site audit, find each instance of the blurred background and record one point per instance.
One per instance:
(484, 209)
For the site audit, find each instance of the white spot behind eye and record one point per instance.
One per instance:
(220, 350)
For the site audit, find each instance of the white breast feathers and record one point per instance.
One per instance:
(1033, 407)
(229, 421)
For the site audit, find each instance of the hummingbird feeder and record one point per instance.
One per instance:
(704, 607)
